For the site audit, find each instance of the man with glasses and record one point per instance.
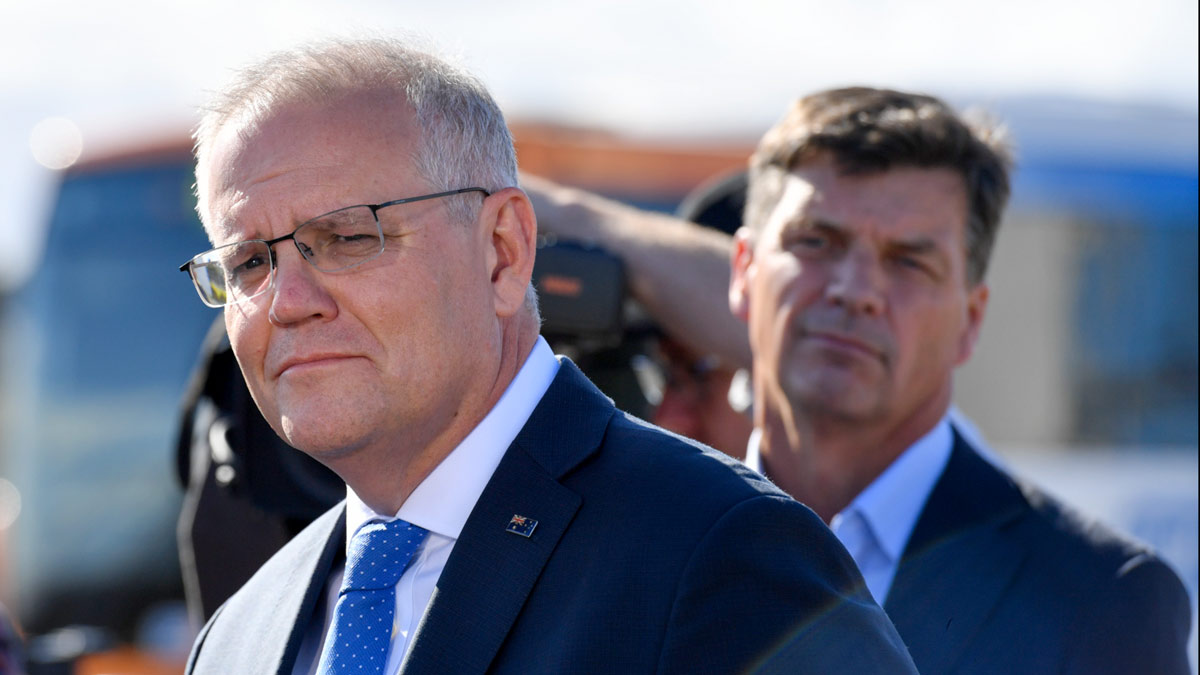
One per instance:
(373, 257)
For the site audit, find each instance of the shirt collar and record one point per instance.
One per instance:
(892, 502)
(442, 502)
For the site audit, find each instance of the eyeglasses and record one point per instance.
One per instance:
(335, 241)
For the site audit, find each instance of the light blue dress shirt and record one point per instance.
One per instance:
(876, 525)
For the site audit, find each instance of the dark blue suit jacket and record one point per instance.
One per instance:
(1000, 578)
(651, 554)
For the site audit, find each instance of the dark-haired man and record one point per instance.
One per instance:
(860, 272)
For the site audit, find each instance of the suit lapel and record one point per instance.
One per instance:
(492, 570)
(958, 561)
(319, 552)
(271, 616)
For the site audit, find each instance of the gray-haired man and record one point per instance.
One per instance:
(373, 258)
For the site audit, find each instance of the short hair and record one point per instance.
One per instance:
(872, 130)
(464, 141)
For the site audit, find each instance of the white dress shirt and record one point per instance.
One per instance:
(441, 504)
(876, 525)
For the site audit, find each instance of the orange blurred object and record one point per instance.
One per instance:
(127, 661)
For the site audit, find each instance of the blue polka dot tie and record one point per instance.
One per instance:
(358, 639)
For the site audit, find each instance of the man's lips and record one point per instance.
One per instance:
(301, 363)
(845, 343)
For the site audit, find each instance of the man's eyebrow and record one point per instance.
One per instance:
(804, 222)
(917, 245)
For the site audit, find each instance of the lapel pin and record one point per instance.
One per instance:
(521, 525)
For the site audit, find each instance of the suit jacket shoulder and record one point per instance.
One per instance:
(260, 627)
(651, 554)
(998, 576)
(1125, 609)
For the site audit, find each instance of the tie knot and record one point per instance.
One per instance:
(379, 554)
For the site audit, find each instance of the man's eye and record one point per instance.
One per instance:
(250, 263)
(809, 241)
(909, 263)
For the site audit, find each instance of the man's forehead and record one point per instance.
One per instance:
(309, 131)
(235, 187)
(290, 140)
(899, 198)
(306, 153)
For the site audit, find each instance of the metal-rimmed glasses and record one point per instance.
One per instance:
(332, 242)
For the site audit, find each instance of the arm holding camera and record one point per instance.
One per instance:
(678, 270)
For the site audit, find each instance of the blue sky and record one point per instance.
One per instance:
(650, 68)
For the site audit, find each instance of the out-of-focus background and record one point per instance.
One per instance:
(1085, 378)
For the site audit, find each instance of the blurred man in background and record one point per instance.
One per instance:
(860, 273)
(373, 261)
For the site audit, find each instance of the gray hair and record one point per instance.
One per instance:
(464, 141)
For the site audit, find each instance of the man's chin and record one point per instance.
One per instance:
(836, 398)
(326, 443)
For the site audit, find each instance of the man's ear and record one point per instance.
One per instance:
(512, 230)
(741, 263)
(977, 299)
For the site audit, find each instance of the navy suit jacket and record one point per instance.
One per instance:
(651, 554)
(998, 577)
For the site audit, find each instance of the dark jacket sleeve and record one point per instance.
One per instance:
(770, 589)
(1140, 624)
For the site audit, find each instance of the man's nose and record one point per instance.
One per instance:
(857, 283)
(299, 292)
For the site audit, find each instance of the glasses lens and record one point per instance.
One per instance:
(342, 239)
(233, 273)
(210, 283)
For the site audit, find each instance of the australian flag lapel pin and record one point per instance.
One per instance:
(521, 525)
